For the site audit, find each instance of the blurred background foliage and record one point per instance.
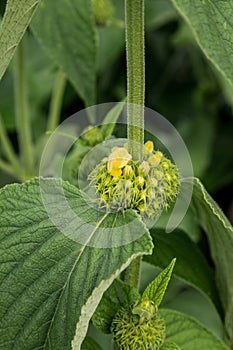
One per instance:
(181, 84)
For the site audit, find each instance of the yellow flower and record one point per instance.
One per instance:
(155, 158)
(117, 160)
(148, 147)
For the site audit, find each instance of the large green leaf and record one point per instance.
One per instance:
(191, 264)
(211, 22)
(66, 29)
(188, 333)
(16, 19)
(220, 235)
(50, 285)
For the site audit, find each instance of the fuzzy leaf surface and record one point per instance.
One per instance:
(156, 289)
(50, 284)
(189, 334)
(211, 23)
(17, 17)
(66, 30)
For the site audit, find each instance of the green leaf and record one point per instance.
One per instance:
(111, 119)
(211, 23)
(50, 284)
(156, 289)
(66, 30)
(118, 295)
(220, 236)
(17, 17)
(169, 346)
(189, 334)
(191, 265)
(90, 344)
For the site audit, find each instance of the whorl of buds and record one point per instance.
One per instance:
(139, 327)
(148, 186)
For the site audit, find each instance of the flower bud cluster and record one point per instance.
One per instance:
(147, 186)
(103, 11)
(139, 327)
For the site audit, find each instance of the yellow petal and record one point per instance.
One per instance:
(155, 159)
(115, 172)
(148, 147)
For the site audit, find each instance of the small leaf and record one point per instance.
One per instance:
(17, 17)
(189, 334)
(90, 344)
(51, 283)
(118, 295)
(66, 30)
(211, 23)
(156, 289)
(169, 346)
(111, 119)
(191, 265)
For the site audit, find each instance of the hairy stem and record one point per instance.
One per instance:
(22, 113)
(135, 47)
(56, 101)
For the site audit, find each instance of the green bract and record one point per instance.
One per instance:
(148, 186)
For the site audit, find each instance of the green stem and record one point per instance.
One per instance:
(56, 101)
(22, 113)
(8, 149)
(135, 49)
(135, 52)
